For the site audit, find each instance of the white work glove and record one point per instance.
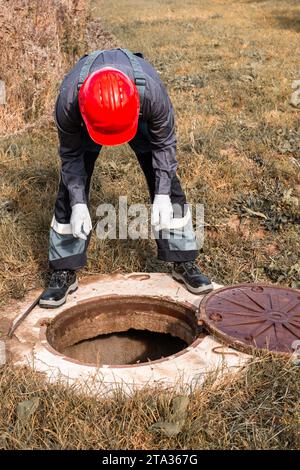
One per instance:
(81, 223)
(162, 212)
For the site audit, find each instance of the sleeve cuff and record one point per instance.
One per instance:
(162, 185)
(77, 195)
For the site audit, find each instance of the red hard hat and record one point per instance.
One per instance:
(110, 105)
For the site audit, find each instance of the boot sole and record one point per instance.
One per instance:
(57, 303)
(193, 290)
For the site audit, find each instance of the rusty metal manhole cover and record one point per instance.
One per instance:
(251, 316)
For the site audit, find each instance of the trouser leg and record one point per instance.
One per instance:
(66, 251)
(175, 244)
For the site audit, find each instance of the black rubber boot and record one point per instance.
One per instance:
(189, 273)
(62, 283)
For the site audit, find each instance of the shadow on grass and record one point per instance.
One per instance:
(288, 20)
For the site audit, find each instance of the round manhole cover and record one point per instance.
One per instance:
(251, 316)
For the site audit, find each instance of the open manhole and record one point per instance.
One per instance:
(123, 330)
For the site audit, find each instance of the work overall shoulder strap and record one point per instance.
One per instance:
(139, 76)
(84, 72)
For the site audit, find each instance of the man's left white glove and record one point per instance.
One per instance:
(162, 212)
(81, 223)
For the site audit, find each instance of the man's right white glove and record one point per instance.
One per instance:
(81, 223)
(162, 212)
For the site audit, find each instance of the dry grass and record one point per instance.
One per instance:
(39, 40)
(228, 67)
(257, 411)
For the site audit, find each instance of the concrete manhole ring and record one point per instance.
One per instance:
(123, 331)
(54, 341)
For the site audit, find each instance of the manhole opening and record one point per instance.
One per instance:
(123, 330)
(128, 347)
